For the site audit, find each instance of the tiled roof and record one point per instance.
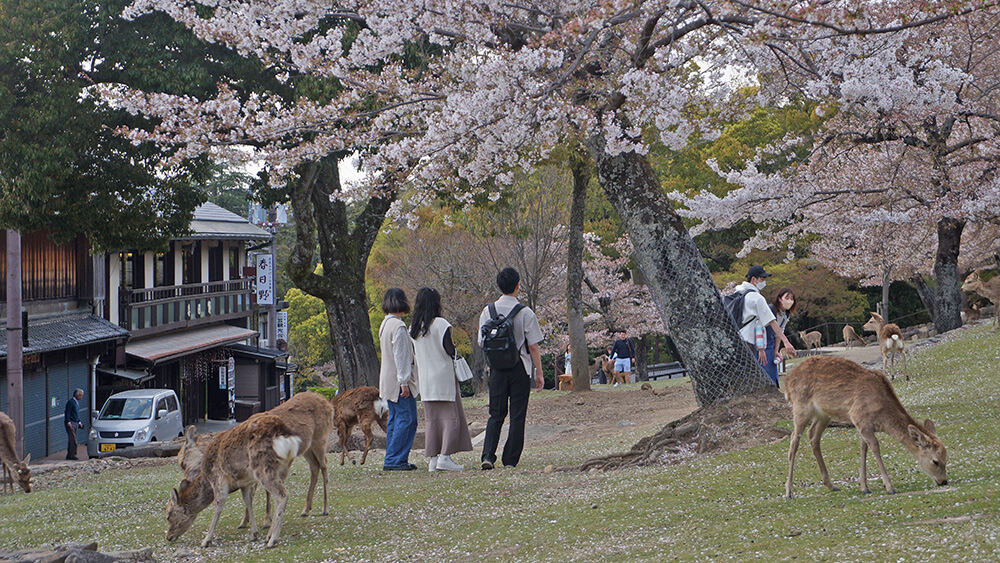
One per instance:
(171, 346)
(213, 222)
(62, 332)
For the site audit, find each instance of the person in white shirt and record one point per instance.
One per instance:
(397, 382)
(757, 314)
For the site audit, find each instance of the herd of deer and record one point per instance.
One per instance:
(261, 449)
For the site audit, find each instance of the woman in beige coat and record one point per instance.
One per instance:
(446, 430)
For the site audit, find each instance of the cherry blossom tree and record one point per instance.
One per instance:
(470, 91)
(905, 165)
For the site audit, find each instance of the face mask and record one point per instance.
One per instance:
(761, 285)
(787, 303)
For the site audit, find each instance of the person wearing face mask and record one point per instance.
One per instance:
(758, 313)
(783, 306)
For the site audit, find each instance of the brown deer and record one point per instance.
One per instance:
(258, 450)
(990, 290)
(360, 406)
(850, 337)
(811, 339)
(613, 376)
(823, 388)
(970, 314)
(8, 457)
(890, 343)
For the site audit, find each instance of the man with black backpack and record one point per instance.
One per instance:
(751, 313)
(509, 334)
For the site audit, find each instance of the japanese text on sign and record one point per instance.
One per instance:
(265, 280)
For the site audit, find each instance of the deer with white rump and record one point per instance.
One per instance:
(890, 343)
(824, 388)
(259, 450)
(8, 457)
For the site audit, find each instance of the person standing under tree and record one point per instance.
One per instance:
(511, 386)
(623, 354)
(783, 306)
(397, 382)
(73, 423)
(757, 315)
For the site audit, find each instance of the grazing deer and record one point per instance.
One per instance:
(613, 376)
(890, 343)
(822, 388)
(811, 339)
(8, 457)
(360, 406)
(258, 450)
(850, 337)
(990, 290)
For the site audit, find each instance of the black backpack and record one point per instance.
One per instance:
(733, 303)
(499, 344)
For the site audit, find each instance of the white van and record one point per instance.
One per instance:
(136, 418)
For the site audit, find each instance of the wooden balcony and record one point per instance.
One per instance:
(149, 311)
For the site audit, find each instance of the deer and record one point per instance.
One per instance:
(890, 343)
(822, 388)
(360, 406)
(613, 376)
(8, 457)
(850, 337)
(970, 314)
(310, 417)
(259, 450)
(990, 290)
(811, 339)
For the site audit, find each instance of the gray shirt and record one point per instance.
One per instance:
(526, 327)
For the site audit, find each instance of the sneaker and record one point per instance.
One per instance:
(432, 464)
(446, 464)
(487, 465)
(407, 467)
(617, 384)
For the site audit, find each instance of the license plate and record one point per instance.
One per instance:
(108, 447)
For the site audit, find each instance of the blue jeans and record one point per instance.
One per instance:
(771, 368)
(400, 430)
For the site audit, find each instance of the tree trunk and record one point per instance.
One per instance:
(926, 293)
(322, 220)
(580, 360)
(885, 295)
(640, 369)
(948, 297)
(719, 362)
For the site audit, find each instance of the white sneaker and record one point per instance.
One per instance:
(444, 463)
(432, 464)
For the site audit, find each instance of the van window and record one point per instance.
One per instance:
(127, 409)
(172, 403)
(161, 405)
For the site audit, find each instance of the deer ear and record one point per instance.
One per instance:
(173, 496)
(919, 437)
(929, 426)
(27, 458)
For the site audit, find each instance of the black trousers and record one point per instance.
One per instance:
(509, 390)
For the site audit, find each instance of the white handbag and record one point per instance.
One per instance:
(462, 370)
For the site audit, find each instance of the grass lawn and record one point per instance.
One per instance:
(723, 508)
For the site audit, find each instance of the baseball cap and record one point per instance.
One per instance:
(757, 272)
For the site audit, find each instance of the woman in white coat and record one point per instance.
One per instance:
(446, 430)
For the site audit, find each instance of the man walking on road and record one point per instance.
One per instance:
(73, 423)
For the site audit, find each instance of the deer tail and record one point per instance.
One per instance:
(287, 447)
(381, 406)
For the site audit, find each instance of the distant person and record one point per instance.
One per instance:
(623, 354)
(510, 388)
(73, 423)
(397, 382)
(569, 367)
(783, 306)
(757, 315)
(447, 431)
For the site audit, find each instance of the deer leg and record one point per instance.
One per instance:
(276, 487)
(248, 514)
(905, 372)
(869, 436)
(8, 478)
(366, 427)
(815, 433)
(863, 477)
(220, 503)
(313, 473)
(801, 419)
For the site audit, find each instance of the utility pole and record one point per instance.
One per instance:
(15, 353)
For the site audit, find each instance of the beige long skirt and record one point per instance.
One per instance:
(446, 431)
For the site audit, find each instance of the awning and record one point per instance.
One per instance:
(135, 375)
(61, 332)
(172, 346)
